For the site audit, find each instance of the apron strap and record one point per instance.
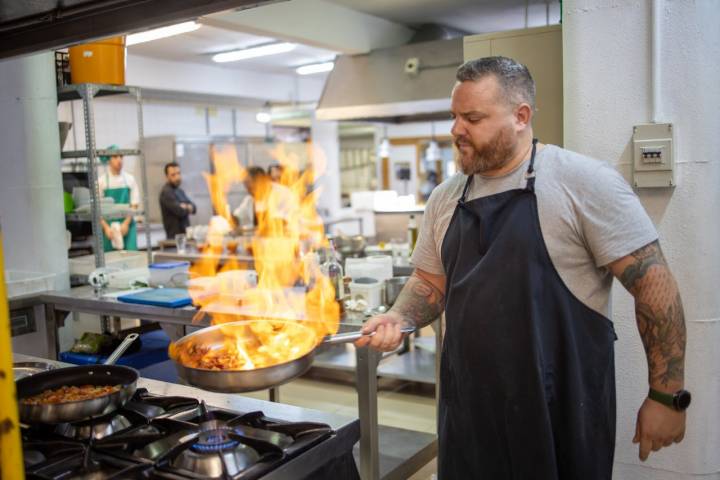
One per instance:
(465, 190)
(530, 174)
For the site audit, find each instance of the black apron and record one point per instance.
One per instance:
(527, 382)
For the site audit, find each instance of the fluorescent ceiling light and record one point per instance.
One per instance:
(263, 117)
(315, 68)
(252, 52)
(162, 32)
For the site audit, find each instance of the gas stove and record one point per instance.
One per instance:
(175, 438)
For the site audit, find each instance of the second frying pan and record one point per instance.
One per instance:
(107, 374)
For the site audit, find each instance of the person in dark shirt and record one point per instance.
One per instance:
(175, 205)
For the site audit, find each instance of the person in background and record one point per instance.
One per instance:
(268, 203)
(175, 206)
(123, 189)
(519, 251)
(275, 171)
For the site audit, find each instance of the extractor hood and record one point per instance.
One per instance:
(400, 84)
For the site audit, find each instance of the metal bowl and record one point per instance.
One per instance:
(349, 246)
(26, 369)
(393, 286)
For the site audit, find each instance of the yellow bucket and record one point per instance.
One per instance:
(99, 62)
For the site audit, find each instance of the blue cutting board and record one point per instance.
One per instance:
(159, 297)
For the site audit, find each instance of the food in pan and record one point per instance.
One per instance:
(246, 346)
(66, 394)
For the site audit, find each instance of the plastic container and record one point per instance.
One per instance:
(368, 289)
(378, 267)
(385, 262)
(99, 62)
(169, 274)
(25, 283)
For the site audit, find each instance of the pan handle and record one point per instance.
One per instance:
(352, 336)
(115, 355)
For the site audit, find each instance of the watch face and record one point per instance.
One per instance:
(682, 400)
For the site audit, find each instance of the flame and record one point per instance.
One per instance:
(287, 292)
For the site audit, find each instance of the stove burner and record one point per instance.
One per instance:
(214, 447)
(215, 453)
(219, 463)
(214, 437)
(95, 429)
(33, 457)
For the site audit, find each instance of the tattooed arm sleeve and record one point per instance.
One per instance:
(422, 299)
(659, 312)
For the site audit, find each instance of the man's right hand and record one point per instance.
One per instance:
(387, 336)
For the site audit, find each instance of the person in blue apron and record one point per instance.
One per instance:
(123, 189)
(520, 251)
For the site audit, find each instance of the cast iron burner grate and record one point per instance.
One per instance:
(172, 438)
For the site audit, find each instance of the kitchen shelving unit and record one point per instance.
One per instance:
(87, 92)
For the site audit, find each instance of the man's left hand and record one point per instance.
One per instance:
(124, 228)
(658, 426)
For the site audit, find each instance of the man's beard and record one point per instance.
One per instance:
(493, 155)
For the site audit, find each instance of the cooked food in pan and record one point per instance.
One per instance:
(66, 394)
(245, 346)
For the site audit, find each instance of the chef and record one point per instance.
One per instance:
(520, 249)
(268, 204)
(118, 233)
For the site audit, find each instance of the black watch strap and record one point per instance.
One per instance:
(662, 397)
(679, 400)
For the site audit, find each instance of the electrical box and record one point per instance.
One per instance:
(653, 159)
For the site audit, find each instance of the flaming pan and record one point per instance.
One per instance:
(217, 342)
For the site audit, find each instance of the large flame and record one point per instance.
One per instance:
(288, 287)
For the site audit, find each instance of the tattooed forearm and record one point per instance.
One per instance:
(419, 302)
(659, 312)
(643, 259)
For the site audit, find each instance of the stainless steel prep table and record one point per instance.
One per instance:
(384, 452)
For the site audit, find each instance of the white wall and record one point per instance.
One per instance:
(193, 77)
(419, 129)
(607, 90)
(31, 206)
(326, 158)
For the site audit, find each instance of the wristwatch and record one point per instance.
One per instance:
(679, 400)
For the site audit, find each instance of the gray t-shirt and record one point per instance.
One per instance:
(589, 217)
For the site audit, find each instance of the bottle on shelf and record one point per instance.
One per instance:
(412, 233)
(332, 269)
